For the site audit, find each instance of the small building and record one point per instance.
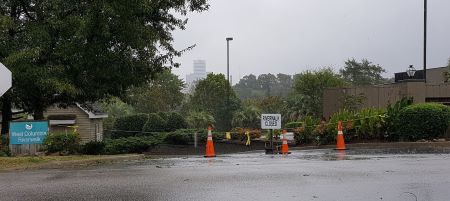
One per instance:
(436, 89)
(86, 120)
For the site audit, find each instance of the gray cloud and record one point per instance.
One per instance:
(290, 36)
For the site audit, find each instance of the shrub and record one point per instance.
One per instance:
(392, 115)
(130, 144)
(94, 148)
(155, 123)
(369, 124)
(175, 121)
(239, 133)
(423, 121)
(330, 132)
(62, 143)
(129, 125)
(309, 131)
(293, 124)
(4, 146)
(186, 136)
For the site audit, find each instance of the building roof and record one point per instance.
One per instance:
(93, 110)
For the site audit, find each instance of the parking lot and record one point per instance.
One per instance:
(325, 174)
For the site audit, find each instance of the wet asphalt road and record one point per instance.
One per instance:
(303, 175)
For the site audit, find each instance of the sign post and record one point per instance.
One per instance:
(5, 79)
(271, 122)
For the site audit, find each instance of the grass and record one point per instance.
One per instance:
(27, 162)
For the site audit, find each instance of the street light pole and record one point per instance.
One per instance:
(228, 58)
(425, 40)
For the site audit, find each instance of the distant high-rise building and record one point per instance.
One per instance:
(199, 73)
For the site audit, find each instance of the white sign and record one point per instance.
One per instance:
(5, 79)
(271, 121)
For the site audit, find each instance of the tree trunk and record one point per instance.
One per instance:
(38, 114)
(6, 113)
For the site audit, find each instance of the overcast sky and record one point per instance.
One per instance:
(290, 36)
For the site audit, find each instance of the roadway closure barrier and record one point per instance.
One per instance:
(210, 144)
(340, 143)
(284, 145)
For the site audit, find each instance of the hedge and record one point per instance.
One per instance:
(423, 121)
(175, 121)
(62, 142)
(130, 145)
(129, 125)
(155, 123)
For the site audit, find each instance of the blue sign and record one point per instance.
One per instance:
(28, 132)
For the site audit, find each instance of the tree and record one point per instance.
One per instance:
(264, 85)
(67, 51)
(199, 120)
(362, 73)
(215, 96)
(248, 117)
(447, 73)
(311, 84)
(162, 94)
(115, 108)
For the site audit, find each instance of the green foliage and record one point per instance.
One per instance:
(115, 108)
(248, 117)
(162, 94)
(186, 136)
(310, 130)
(423, 121)
(199, 120)
(364, 73)
(369, 124)
(215, 96)
(392, 115)
(76, 51)
(130, 144)
(353, 102)
(175, 121)
(252, 87)
(129, 125)
(94, 148)
(347, 119)
(68, 143)
(311, 84)
(154, 123)
(293, 124)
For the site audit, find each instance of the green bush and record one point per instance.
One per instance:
(155, 123)
(129, 125)
(94, 148)
(130, 144)
(175, 121)
(309, 131)
(347, 118)
(369, 124)
(293, 124)
(62, 142)
(392, 115)
(186, 136)
(4, 146)
(423, 121)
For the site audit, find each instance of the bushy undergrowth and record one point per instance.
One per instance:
(67, 143)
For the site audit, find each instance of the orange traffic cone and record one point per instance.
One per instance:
(210, 145)
(284, 146)
(340, 144)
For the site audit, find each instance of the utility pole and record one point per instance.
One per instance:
(425, 40)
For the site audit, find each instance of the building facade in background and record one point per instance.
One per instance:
(436, 89)
(199, 73)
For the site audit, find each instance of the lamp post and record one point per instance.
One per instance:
(425, 40)
(228, 58)
(228, 74)
(411, 71)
